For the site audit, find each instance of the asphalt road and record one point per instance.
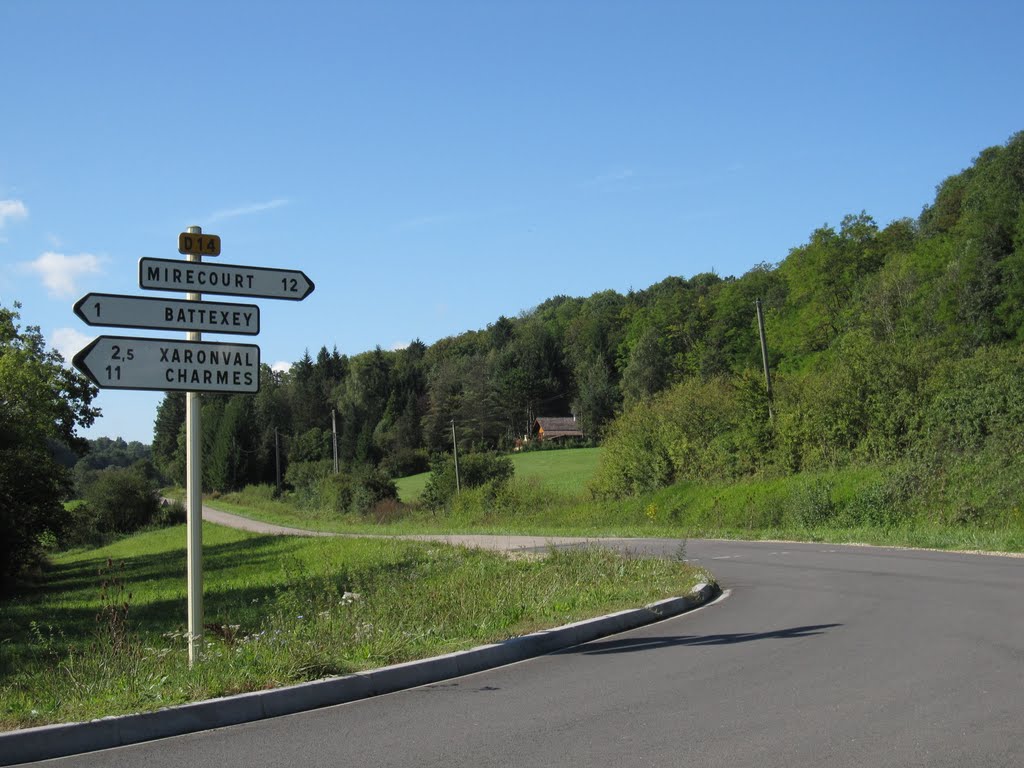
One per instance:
(817, 655)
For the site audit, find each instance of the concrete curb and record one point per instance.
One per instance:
(65, 739)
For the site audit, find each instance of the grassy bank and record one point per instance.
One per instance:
(95, 637)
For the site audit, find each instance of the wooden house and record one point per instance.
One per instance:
(556, 428)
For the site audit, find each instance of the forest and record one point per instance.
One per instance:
(884, 341)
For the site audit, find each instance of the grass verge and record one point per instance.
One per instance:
(102, 632)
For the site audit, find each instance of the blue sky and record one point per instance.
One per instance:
(433, 165)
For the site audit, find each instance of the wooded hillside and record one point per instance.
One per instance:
(884, 339)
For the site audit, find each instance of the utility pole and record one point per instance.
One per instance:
(334, 432)
(277, 457)
(764, 357)
(455, 450)
(194, 498)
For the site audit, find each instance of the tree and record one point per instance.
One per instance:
(231, 461)
(361, 402)
(170, 419)
(40, 399)
(597, 396)
(398, 434)
(446, 394)
(530, 376)
(647, 371)
(272, 411)
(122, 500)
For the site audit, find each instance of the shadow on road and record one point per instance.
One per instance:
(653, 643)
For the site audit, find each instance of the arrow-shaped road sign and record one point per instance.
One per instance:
(226, 279)
(129, 362)
(118, 311)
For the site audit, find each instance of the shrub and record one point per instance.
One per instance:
(407, 461)
(357, 491)
(475, 470)
(169, 513)
(370, 485)
(331, 493)
(303, 476)
(814, 504)
(123, 499)
(315, 486)
(256, 494)
(972, 401)
(523, 497)
(685, 433)
(634, 459)
(81, 528)
(119, 500)
(886, 502)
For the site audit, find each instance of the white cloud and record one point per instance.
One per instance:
(245, 210)
(11, 210)
(281, 367)
(68, 341)
(59, 272)
(398, 345)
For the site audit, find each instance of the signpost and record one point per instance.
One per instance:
(192, 365)
(119, 311)
(194, 494)
(224, 279)
(130, 362)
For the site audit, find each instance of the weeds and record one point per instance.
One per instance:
(814, 505)
(115, 604)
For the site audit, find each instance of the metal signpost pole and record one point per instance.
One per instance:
(194, 504)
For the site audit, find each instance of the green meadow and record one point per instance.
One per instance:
(566, 471)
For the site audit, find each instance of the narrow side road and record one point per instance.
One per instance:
(499, 543)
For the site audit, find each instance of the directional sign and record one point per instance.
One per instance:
(225, 279)
(128, 362)
(161, 314)
(199, 245)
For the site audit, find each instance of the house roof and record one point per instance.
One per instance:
(558, 426)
